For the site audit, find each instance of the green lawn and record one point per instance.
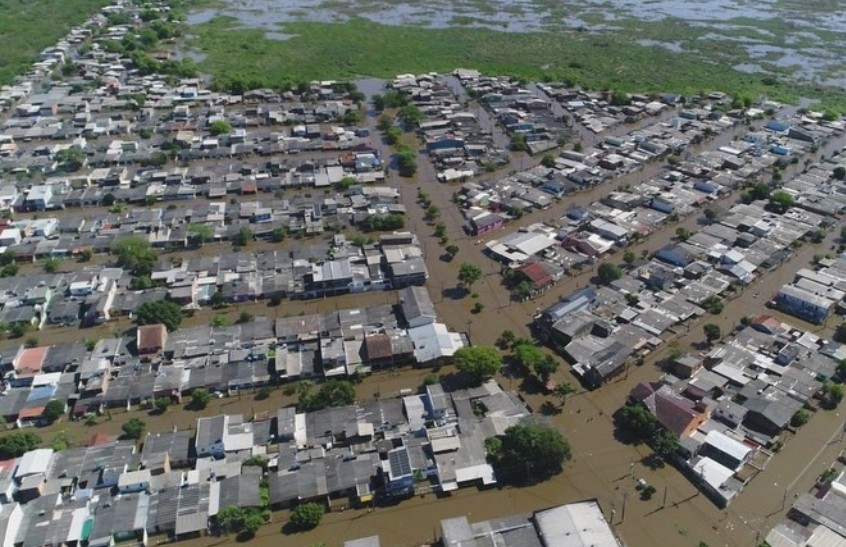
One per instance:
(28, 26)
(597, 60)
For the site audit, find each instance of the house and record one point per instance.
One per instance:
(38, 198)
(150, 340)
(535, 274)
(725, 450)
(11, 517)
(209, 439)
(486, 223)
(677, 414)
(804, 304)
(417, 307)
(134, 481)
(675, 255)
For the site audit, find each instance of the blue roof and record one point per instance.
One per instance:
(572, 303)
(41, 392)
(777, 125)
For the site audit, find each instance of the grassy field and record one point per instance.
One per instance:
(28, 26)
(597, 60)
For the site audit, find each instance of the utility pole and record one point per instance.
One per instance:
(664, 503)
(623, 515)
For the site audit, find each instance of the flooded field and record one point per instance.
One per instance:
(771, 36)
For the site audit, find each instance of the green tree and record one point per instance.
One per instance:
(665, 443)
(548, 160)
(378, 103)
(518, 142)
(134, 428)
(9, 270)
(506, 339)
(406, 161)
(608, 272)
(839, 172)
(351, 117)
(219, 127)
(713, 304)
(159, 311)
(135, 254)
(219, 320)
(636, 421)
(431, 379)
(256, 461)
(451, 249)
(51, 265)
(53, 410)
(833, 394)
(800, 418)
(710, 214)
(433, 212)
(480, 362)
(70, 159)
(780, 202)
(17, 444)
(307, 516)
(712, 332)
(411, 115)
(629, 257)
(162, 403)
(230, 519)
(545, 368)
(331, 393)
(527, 354)
(278, 234)
(469, 273)
(561, 391)
(200, 233)
(384, 123)
(493, 446)
(200, 398)
(539, 449)
(683, 233)
(242, 237)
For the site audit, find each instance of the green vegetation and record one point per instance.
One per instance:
(135, 254)
(480, 362)
(17, 444)
(163, 403)
(382, 223)
(307, 515)
(53, 410)
(244, 521)
(134, 428)
(800, 418)
(712, 332)
(608, 272)
(161, 311)
(530, 451)
(469, 273)
(610, 60)
(200, 398)
(637, 422)
(331, 393)
(28, 27)
(561, 391)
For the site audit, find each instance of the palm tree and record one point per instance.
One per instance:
(562, 390)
